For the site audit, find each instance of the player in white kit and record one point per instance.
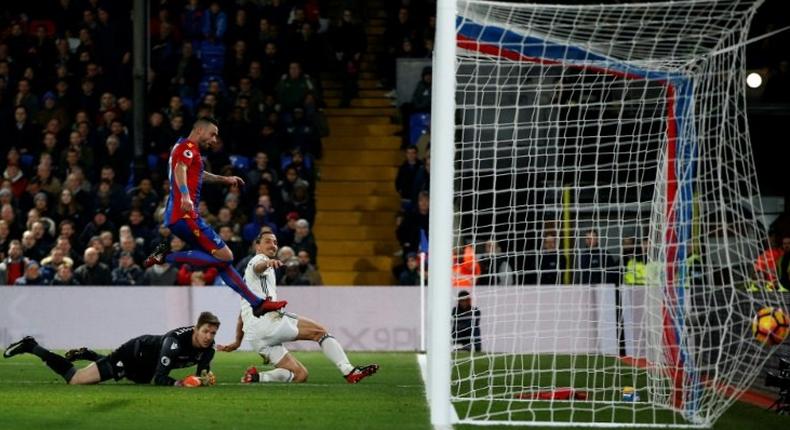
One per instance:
(268, 332)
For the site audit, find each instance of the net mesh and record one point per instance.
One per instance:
(606, 213)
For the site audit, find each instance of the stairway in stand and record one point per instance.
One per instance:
(355, 197)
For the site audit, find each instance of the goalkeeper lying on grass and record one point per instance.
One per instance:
(139, 360)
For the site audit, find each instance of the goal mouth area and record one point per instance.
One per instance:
(499, 390)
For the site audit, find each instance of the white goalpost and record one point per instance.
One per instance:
(604, 150)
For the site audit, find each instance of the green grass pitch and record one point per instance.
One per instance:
(32, 397)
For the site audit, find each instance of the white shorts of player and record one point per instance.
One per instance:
(268, 334)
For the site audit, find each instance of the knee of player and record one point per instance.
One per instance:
(225, 256)
(320, 333)
(300, 375)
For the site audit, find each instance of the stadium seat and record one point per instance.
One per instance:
(419, 124)
(153, 161)
(240, 162)
(26, 160)
(48, 25)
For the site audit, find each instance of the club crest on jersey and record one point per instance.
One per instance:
(187, 153)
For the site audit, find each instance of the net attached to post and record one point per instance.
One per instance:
(606, 212)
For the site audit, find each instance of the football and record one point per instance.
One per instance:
(770, 326)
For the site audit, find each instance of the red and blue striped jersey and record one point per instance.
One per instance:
(187, 152)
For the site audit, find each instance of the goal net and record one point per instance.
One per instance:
(605, 184)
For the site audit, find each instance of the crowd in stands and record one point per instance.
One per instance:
(75, 205)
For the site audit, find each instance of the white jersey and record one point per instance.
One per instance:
(263, 284)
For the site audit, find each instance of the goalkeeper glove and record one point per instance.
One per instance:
(190, 381)
(207, 378)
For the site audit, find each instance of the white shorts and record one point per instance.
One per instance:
(269, 333)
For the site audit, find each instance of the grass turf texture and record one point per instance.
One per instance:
(33, 397)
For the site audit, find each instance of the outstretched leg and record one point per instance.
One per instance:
(311, 330)
(210, 251)
(58, 364)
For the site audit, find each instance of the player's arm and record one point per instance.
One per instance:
(239, 337)
(205, 362)
(261, 266)
(211, 178)
(181, 182)
(167, 356)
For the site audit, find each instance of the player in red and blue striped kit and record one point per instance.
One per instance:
(207, 248)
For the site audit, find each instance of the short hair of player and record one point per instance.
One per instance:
(207, 318)
(204, 122)
(264, 230)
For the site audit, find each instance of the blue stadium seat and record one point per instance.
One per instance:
(419, 124)
(153, 162)
(240, 162)
(26, 160)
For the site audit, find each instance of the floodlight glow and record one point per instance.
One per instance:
(754, 80)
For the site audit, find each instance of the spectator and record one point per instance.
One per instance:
(420, 102)
(127, 244)
(99, 224)
(16, 177)
(411, 273)
(634, 263)
(13, 266)
(162, 275)
(407, 173)
(127, 272)
(293, 87)
(466, 324)
(292, 275)
(261, 218)
(31, 248)
(24, 135)
(551, 262)
(291, 181)
(50, 264)
(285, 253)
(397, 30)
(416, 220)
(495, 268)
(422, 180)
(348, 43)
(304, 240)
(64, 276)
(232, 240)
(8, 214)
(301, 203)
(32, 275)
(215, 22)
(595, 265)
(308, 270)
(5, 239)
(47, 181)
(140, 231)
(93, 272)
(68, 208)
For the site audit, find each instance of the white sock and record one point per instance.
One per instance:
(276, 375)
(335, 353)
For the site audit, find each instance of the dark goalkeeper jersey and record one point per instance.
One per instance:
(158, 355)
